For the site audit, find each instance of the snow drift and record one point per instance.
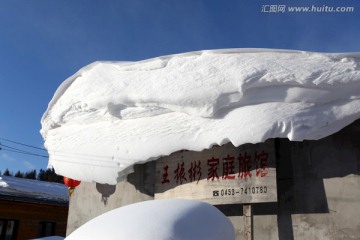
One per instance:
(111, 115)
(159, 219)
(50, 238)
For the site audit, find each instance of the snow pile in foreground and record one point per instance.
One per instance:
(111, 115)
(50, 238)
(159, 219)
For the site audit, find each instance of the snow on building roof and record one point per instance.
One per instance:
(32, 190)
(111, 115)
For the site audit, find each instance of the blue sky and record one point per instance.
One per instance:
(43, 42)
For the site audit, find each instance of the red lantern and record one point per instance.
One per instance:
(71, 184)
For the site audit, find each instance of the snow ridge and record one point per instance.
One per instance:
(111, 115)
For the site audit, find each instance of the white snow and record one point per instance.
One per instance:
(50, 238)
(111, 115)
(161, 220)
(19, 187)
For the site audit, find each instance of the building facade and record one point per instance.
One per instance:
(317, 188)
(31, 209)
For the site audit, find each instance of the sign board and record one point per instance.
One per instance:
(220, 175)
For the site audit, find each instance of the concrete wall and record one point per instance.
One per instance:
(92, 199)
(318, 192)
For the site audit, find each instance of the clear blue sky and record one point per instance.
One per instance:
(42, 42)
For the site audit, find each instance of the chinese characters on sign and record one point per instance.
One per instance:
(243, 163)
(225, 174)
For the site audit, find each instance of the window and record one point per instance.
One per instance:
(8, 229)
(46, 229)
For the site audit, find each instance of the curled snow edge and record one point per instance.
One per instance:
(111, 115)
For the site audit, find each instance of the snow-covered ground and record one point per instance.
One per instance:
(111, 115)
(161, 220)
(26, 188)
(50, 238)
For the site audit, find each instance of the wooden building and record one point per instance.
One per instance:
(31, 209)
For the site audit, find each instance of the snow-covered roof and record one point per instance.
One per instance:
(32, 190)
(111, 115)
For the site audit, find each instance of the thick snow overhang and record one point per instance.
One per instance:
(111, 115)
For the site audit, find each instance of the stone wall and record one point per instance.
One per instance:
(318, 192)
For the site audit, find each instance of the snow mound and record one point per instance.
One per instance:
(50, 238)
(111, 115)
(159, 219)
